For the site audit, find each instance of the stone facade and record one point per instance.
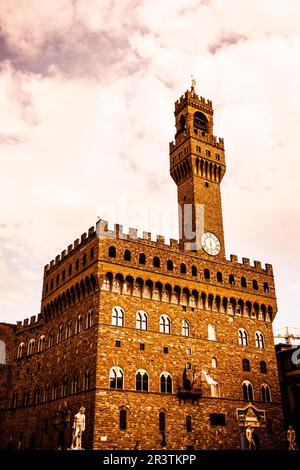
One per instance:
(141, 369)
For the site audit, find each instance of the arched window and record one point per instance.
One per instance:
(165, 324)
(92, 253)
(87, 380)
(206, 274)
(65, 387)
(259, 340)
(162, 421)
(70, 270)
(112, 252)
(21, 349)
(243, 337)
(30, 348)
(211, 333)
(142, 258)
(141, 320)
(41, 343)
(185, 328)
(2, 352)
(246, 365)
(215, 390)
(188, 424)
(79, 324)
(84, 259)
(255, 284)
(75, 383)
(116, 378)
(194, 271)
(60, 334)
(247, 391)
(219, 277)
(36, 396)
(266, 287)
(265, 393)
(156, 262)
(77, 265)
(141, 381)
(169, 265)
(117, 316)
(123, 420)
(214, 363)
(165, 382)
(90, 318)
(26, 398)
(243, 282)
(263, 367)
(231, 279)
(55, 391)
(15, 400)
(183, 268)
(46, 393)
(127, 255)
(200, 121)
(69, 330)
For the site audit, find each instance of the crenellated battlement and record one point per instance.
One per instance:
(31, 322)
(209, 139)
(194, 99)
(104, 232)
(77, 244)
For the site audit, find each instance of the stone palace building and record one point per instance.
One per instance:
(165, 345)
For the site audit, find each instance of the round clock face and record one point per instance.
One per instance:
(210, 243)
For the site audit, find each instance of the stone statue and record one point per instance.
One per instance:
(78, 429)
(291, 438)
(249, 437)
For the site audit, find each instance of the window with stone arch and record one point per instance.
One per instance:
(211, 333)
(247, 389)
(2, 352)
(242, 337)
(41, 343)
(142, 381)
(185, 328)
(200, 121)
(30, 348)
(21, 349)
(215, 390)
(263, 367)
(265, 393)
(116, 378)
(214, 363)
(259, 340)
(141, 320)
(79, 324)
(246, 365)
(165, 324)
(90, 318)
(118, 316)
(166, 382)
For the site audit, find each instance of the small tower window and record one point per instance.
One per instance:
(231, 279)
(156, 262)
(206, 274)
(246, 365)
(263, 367)
(84, 259)
(123, 420)
(127, 255)
(266, 287)
(183, 268)
(255, 284)
(194, 271)
(243, 282)
(142, 258)
(200, 121)
(219, 277)
(70, 269)
(169, 265)
(112, 252)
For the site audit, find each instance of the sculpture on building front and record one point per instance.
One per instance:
(78, 429)
(291, 438)
(249, 437)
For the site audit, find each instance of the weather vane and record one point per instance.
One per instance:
(193, 83)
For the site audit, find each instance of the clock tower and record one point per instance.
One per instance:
(197, 165)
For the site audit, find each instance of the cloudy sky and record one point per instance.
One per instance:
(87, 91)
